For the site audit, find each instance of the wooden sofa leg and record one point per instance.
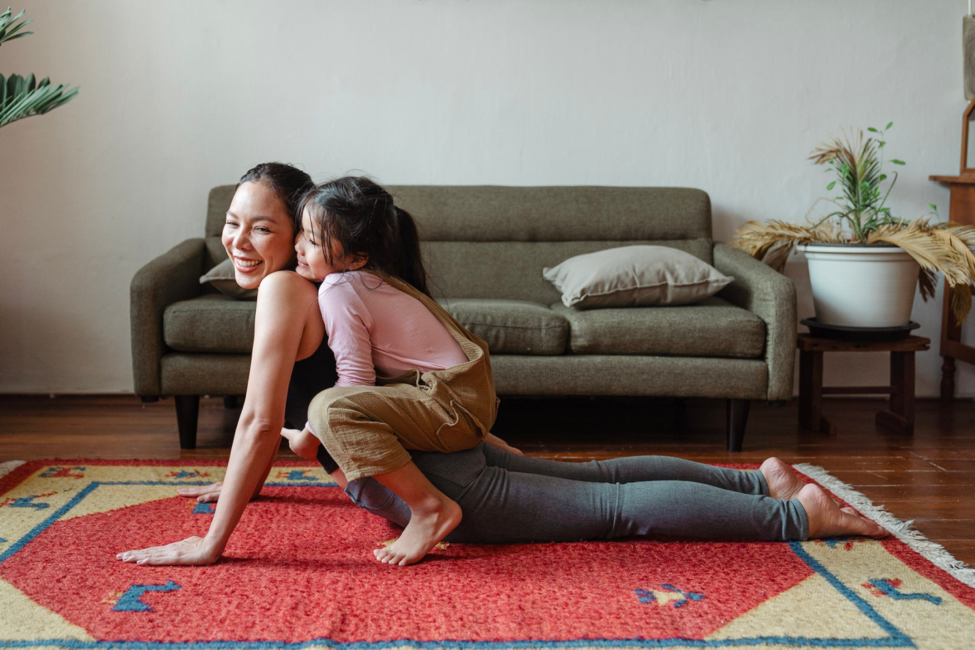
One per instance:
(737, 419)
(680, 414)
(187, 410)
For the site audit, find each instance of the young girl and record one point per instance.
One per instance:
(436, 390)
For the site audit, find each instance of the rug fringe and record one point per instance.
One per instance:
(9, 466)
(902, 530)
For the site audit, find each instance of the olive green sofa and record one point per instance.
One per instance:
(485, 248)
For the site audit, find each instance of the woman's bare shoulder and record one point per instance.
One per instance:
(286, 287)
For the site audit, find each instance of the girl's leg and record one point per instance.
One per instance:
(633, 469)
(365, 428)
(432, 515)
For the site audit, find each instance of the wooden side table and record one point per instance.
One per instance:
(961, 209)
(900, 415)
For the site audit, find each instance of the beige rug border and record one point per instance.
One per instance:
(902, 530)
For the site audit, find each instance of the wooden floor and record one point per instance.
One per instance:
(928, 477)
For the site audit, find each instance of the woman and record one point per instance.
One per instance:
(504, 497)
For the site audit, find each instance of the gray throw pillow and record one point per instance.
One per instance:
(635, 276)
(222, 278)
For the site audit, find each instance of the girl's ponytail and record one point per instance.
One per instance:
(407, 260)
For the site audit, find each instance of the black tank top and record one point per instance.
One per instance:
(308, 378)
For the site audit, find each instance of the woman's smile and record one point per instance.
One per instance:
(245, 265)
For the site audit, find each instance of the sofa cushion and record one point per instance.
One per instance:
(635, 276)
(710, 328)
(210, 323)
(511, 326)
(223, 278)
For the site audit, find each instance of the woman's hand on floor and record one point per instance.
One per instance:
(190, 551)
(209, 493)
(202, 493)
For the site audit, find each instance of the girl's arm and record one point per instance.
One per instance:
(285, 307)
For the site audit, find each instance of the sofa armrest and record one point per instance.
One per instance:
(772, 297)
(169, 278)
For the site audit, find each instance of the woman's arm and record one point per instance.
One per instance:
(210, 493)
(285, 307)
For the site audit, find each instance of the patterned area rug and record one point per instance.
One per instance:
(299, 573)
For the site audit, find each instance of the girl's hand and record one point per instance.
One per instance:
(190, 551)
(303, 443)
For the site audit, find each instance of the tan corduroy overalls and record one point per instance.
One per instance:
(365, 428)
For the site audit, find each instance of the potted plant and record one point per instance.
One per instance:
(22, 97)
(865, 263)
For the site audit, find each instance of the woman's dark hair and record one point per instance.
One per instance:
(287, 182)
(361, 216)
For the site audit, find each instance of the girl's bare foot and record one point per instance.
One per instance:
(827, 519)
(782, 481)
(429, 524)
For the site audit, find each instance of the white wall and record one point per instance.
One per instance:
(725, 95)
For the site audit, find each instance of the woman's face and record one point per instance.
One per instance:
(258, 234)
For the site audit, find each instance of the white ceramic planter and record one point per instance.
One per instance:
(856, 285)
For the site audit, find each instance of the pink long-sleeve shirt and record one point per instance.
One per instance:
(373, 326)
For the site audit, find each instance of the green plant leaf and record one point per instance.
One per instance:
(872, 130)
(831, 186)
(8, 30)
(25, 98)
(889, 124)
(881, 145)
(898, 162)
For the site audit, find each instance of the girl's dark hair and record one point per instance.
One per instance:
(287, 182)
(361, 216)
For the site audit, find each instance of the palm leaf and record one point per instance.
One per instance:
(919, 240)
(926, 284)
(774, 241)
(8, 30)
(951, 239)
(24, 97)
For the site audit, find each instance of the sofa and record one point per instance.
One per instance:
(484, 248)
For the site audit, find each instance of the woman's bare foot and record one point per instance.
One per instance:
(429, 523)
(782, 481)
(827, 519)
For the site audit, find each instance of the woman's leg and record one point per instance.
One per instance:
(633, 469)
(512, 507)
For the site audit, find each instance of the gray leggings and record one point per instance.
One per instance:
(508, 498)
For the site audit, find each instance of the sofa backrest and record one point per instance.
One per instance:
(488, 241)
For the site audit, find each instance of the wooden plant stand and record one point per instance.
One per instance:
(899, 417)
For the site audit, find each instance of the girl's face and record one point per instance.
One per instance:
(312, 263)
(257, 234)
